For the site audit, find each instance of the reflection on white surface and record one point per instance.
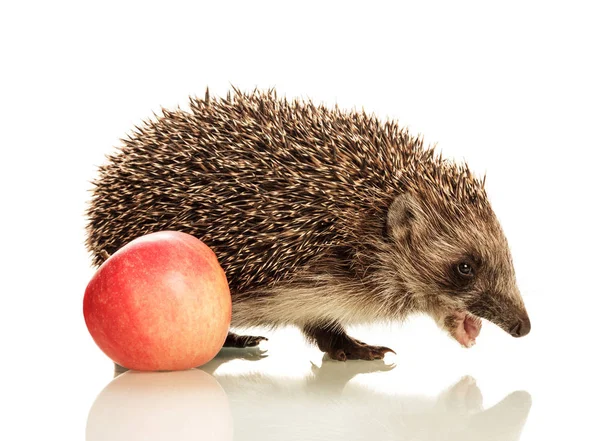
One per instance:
(324, 404)
(185, 405)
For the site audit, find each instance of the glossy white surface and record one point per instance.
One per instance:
(539, 387)
(510, 86)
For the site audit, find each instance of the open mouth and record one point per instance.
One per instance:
(465, 327)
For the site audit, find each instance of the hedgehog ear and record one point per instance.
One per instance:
(401, 216)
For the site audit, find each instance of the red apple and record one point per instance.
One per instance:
(161, 302)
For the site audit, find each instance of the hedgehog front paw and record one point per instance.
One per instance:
(333, 340)
(352, 349)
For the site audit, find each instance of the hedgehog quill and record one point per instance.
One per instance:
(321, 218)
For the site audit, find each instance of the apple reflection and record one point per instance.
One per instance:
(184, 405)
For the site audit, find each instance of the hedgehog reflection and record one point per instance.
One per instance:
(326, 406)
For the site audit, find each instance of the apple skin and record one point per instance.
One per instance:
(161, 302)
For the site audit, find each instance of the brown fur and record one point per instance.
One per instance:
(317, 215)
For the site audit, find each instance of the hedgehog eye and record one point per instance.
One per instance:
(464, 269)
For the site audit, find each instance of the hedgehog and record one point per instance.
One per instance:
(322, 218)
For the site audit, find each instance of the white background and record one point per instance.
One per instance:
(512, 87)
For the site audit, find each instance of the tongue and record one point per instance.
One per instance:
(472, 327)
(467, 329)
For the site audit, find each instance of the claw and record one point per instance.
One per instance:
(255, 341)
(386, 350)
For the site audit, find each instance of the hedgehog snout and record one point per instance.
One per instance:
(521, 328)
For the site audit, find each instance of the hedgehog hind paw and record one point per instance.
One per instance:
(242, 341)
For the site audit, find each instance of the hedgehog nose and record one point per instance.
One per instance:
(521, 328)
